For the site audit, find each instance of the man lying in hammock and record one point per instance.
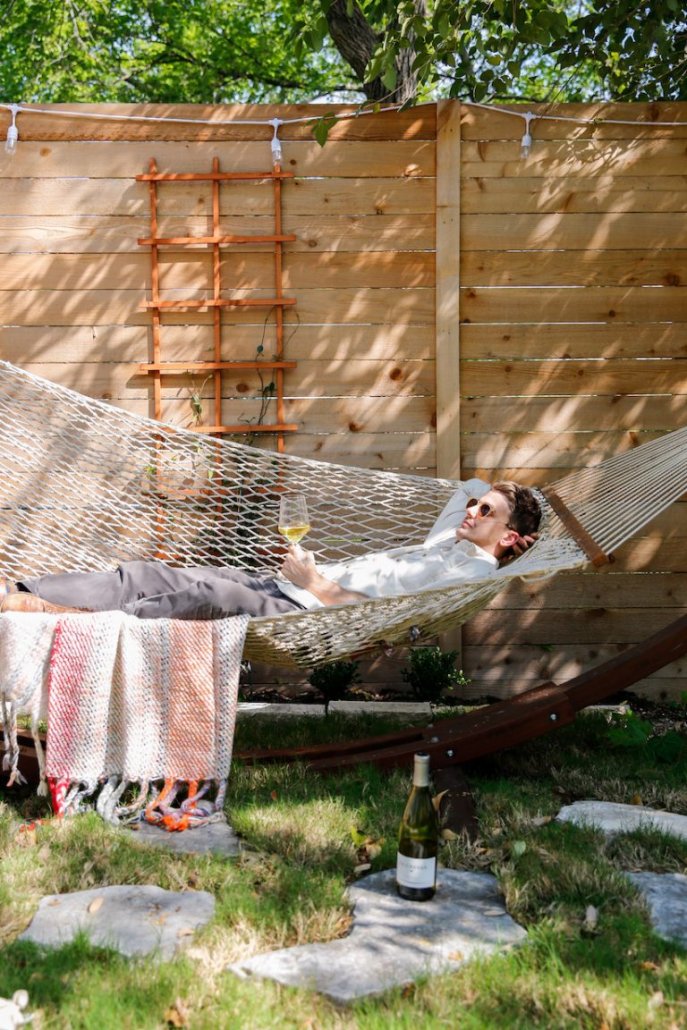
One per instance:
(469, 540)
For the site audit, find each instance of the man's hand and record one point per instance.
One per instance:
(523, 543)
(300, 569)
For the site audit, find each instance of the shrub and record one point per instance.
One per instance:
(431, 671)
(333, 680)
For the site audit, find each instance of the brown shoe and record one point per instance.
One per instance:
(22, 601)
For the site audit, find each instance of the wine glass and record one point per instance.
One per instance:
(293, 517)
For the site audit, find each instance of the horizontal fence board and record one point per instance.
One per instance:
(553, 450)
(492, 663)
(390, 451)
(300, 196)
(541, 232)
(523, 378)
(98, 234)
(599, 590)
(52, 160)
(317, 415)
(572, 157)
(193, 270)
(228, 122)
(507, 679)
(335, 378)
(575, 195)
(560, 414)
(627, 625)
(575, 269)
(54, 345)
(602, 340)
(97, 307)
(646, 120)
(574, 304)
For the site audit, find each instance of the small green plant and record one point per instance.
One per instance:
(334, 680)
(634, 732)
(431, 671)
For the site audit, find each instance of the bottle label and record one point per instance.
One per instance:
(415, 872)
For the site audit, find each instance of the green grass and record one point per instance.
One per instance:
(288, 888)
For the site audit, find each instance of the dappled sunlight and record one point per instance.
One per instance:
(571, 347)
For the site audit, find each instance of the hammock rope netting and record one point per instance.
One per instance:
(86, 486)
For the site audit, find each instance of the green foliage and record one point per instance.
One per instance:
(541, 49)
(223, 51)
(161, 51)
(669, 747)
(431, 671)
(633, 732)
(334, 680)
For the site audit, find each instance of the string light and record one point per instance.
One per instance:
(276, 143)
(12, 131)
(526, 141)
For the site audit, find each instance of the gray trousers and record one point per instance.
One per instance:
(152, 590)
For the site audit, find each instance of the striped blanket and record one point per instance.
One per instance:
(150, 703)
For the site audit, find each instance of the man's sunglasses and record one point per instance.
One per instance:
(485, 511)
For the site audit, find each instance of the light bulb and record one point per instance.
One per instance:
(276, 142)
(12, 132)
(526, 141)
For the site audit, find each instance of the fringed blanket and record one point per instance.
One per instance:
(149, 704)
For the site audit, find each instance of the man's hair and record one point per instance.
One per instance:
(525, 511)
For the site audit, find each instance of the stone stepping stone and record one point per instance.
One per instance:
(215, 838)
(133, 920)
(394, 941)
(616, 818)
(666, 896)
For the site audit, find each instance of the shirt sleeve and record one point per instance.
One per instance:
(390, 574)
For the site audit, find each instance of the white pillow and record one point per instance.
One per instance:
(453, 512)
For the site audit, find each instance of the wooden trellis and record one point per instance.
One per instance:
(217, 241)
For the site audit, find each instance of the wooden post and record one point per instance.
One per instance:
(447, 338)
(447, 346)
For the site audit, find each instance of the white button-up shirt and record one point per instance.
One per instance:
(439, 561)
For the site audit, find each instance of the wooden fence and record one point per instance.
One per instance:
(459, 309)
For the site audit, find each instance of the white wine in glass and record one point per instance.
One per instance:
(293, 518)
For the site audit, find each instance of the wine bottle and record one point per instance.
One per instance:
(418, 838)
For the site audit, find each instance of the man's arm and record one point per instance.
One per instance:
(300, 569)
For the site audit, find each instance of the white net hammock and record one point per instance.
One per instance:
(86, 486)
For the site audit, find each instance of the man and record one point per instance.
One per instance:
(469, 540)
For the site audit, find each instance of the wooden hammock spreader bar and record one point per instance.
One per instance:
(496, 726)
(577, 531)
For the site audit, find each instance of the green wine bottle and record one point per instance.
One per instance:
(418, 838)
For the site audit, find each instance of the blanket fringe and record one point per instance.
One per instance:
(155, 804)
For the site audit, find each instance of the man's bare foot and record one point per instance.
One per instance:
(21, 601)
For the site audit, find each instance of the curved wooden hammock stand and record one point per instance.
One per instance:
(500, 725)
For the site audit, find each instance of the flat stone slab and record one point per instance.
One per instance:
(419, 708)
(284, 711)
(666, 896)
(393, 941)
(134, 921)
(215, 838)
(616, 818)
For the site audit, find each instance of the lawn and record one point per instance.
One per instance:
(302, 833)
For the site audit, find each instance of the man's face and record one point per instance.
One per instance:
(485, 523)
